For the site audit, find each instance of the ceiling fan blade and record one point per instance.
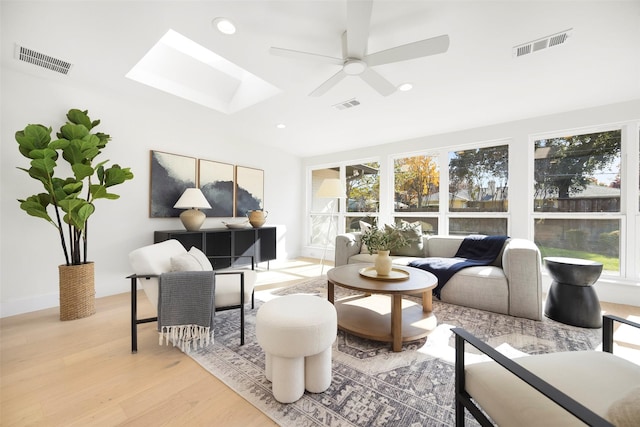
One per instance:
(379, 83)
(324, 87)
(358, 21)
(408, 51)
(296, 54)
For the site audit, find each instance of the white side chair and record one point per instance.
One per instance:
(233, 287)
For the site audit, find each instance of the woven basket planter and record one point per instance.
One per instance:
(77, 291)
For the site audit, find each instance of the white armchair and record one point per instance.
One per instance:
(568, 388)
(233, 288)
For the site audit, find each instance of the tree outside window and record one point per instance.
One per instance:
(416, 184)
(363, 187)
(478, 179)
(579, 173)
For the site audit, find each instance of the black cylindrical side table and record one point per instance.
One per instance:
(572, 299)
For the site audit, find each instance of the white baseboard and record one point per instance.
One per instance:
(27, 305)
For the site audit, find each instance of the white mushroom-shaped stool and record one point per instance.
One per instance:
(296, 333)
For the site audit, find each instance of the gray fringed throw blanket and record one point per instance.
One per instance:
(186, 308)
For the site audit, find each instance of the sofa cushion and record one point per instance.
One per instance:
(411, 231)
(482, 287)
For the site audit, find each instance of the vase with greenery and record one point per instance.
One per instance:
(385, 239)
(68, 203)
(382, 241)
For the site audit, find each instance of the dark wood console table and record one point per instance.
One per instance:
(222, 243)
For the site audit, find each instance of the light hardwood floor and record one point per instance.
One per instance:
(81, 372)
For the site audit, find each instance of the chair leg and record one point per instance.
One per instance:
(134, 316)
(459, 381)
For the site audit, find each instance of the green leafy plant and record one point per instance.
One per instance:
(74, 196)
(385, 239)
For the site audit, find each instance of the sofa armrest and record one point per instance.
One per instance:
(521, 262)
(347, 245)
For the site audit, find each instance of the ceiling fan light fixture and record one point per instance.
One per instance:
(224, 25)
(404, 87)
(354, 67)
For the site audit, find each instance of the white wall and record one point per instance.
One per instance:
(30, 251)
(625, 291)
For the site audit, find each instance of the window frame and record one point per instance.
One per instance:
(625, 269)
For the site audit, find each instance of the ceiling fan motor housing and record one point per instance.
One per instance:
(354, 67)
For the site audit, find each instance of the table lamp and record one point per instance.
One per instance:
(192, 199)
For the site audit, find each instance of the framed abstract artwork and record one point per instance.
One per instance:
(171, 174)
(216, 183)
(249, 190)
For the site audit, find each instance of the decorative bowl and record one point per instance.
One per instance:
(240, 224)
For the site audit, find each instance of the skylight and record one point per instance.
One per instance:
(182, 67)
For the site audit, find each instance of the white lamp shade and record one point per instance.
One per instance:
(192, 198)
(331, 188)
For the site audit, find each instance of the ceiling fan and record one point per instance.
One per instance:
(356, 62)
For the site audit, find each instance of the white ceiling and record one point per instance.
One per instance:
(477, 82)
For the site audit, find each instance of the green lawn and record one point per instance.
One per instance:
(608, 263)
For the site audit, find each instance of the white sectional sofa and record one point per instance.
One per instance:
(511, 285)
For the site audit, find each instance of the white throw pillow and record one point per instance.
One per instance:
(626, 411)
(364, 227)
(411, 230)
(201, 258)
(185, 262)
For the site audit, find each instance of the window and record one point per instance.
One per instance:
(363, 187)
(577, 180)
(478, 189)
(331, 216)
(478, 180)
(593, 239)
(579, 173)
(487, 226)
(416, 191)
(363, 194)
(429, 225)
(416, 182)
(323, 222)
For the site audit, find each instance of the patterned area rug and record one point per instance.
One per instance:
(371, 385)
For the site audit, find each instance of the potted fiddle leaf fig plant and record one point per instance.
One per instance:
(68, 203)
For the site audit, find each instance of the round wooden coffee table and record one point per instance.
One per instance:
(381, 313)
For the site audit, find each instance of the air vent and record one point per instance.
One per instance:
(543, 43)
(347, 104)
(40, 59)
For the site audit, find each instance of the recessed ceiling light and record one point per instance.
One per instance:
(224, 25)
(405, 87)
(281, 126)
